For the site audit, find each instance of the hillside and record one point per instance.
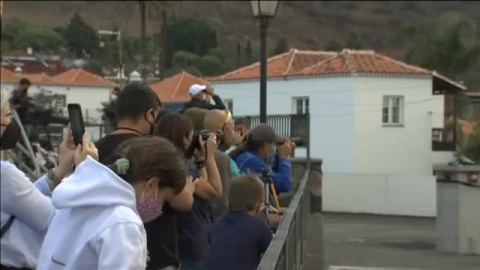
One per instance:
(305, 24)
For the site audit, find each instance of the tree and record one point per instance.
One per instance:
(449, 46)
(40, 39)
(80, 37)
(332, 45)
(192, 35)
(185, 59)
(18, 34)
(248, 53)
(353, 41)
(281, 46)
(238, 62)
(471, 148)
(210, 65)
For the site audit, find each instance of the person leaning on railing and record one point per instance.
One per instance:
(263, 147)
(26, 207)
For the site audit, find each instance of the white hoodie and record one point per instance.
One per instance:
(96, 225)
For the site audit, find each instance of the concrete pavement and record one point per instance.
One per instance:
(378, 243)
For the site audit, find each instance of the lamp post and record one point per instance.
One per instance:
(264, 11)
(119, 39)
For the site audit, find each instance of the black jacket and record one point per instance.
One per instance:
(197, 103)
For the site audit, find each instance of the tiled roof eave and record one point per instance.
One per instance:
(330, 75)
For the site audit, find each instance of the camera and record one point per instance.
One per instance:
(297, 140)
(204, 134)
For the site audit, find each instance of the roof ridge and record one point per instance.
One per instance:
(344, 54)
(253, 64)
(319, 63)
(75, 76)
(417, 68)
(355, 51)
(292, 57)
(182, 75)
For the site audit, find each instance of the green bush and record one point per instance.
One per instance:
(185, 59)
(211, 65)
(471, 148)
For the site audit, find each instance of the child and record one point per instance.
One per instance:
(239, 239)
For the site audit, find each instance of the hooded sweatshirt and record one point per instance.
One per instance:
(96, 225)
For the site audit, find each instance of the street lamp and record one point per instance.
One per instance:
(119, 39)
(264, 11)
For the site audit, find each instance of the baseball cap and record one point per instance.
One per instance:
(265, 133)
(196, 88)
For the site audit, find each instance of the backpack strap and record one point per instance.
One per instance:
(7, 225)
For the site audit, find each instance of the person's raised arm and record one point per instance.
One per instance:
(219, 105)
(209, 185)
(282, 171)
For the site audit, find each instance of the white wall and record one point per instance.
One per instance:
(408, 195)
(331, 121)
(396, 150)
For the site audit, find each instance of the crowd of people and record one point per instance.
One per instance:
(164, 190)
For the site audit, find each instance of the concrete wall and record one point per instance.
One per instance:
(409, 195)
(405, 149)
(331, 120)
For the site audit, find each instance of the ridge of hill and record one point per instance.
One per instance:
(305, 24)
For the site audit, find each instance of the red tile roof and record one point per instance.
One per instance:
(80, 77)
(175, 88)
(318, 63)
(8, 76)
(38, 78)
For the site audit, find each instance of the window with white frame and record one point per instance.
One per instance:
(393, 110)
(229, 104)
(300, 105)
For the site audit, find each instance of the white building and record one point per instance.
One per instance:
(72, 86)
(371, 119)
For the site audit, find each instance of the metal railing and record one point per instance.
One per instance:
(443, 140)
(287, 249)
(288, 125)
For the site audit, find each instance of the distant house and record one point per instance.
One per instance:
(71, 86)
(173, 91)
(372, 118)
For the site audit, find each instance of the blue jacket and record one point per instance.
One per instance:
(281, 171)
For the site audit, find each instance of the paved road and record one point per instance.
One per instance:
(378, 242)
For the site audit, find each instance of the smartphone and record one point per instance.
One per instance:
(76, 122)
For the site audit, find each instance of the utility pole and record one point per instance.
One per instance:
(163, 45)
(143, 60)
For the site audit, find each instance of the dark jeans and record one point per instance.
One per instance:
(189, 265)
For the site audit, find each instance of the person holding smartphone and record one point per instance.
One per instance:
(101, 209)
(26, 207)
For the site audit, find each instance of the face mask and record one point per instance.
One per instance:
(271, 156)
(149, 209)
(10, 135)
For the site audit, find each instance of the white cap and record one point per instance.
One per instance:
(196, 88)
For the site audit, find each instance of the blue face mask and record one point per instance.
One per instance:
(271, 156)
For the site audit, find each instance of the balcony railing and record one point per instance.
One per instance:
(286, 125)
(443, 140)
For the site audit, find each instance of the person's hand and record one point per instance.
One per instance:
(190, 185)
(66, 151)
(209, 91)
(85, 149)
(238, 137)
(209, 146)
(285, 149)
